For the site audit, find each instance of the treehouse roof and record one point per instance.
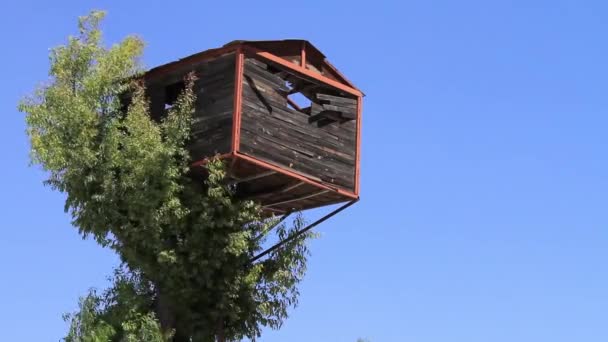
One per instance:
(290, 50)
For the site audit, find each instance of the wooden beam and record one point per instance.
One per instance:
(339, 109)
(358, 144)
(275, 190)
(252, 177)
(337, 99)
(291, 187)
(301, 88)
(301, 231)
(296, 199)
(296, 175)
(349, 116)
(326, 114)
(302, 72)
(281, 211)
(238, 97)
(339, 74)
(276, 224)
(192, 59)
(303, 55)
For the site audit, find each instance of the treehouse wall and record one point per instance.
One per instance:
(212, 119)
(274, 132)
(294, 144)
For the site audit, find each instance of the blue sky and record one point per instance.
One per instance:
(484, 173)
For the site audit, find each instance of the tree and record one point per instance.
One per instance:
(185, 246)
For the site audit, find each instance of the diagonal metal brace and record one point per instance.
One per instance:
(301, 231)
(267, 230)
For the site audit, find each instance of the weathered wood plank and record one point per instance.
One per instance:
(340, 130)
(299, 135)
(327, 116)
(260, 146)
(271, 130)
(337, 99)
(212, 119)
(340, 109)
(300, 122)
(279, 123)
(342, 181)
(257, 72)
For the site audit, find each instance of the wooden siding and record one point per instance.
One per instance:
(272, 131)
(212, 120)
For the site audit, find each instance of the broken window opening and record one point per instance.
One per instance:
(323, 104)
(172, 92)
(125, 100)
(299, 102)
(297, 93)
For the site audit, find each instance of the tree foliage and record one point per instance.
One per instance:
(185, 244)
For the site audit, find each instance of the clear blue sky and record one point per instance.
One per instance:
(484, 173)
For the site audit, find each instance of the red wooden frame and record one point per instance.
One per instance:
(295, 175)
(264, 164)
(196, 58)
(303, 55)
(238, 98)
(229, 48)
(241, 50)
(251, 51)
(358, 143)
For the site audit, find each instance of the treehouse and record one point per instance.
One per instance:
(285, 120)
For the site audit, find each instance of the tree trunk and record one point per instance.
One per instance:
(163, 312)
(220, 332)
(168, 318)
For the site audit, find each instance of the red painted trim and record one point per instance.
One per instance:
(214, 53)
(303, 55)
(238, 96)
(358, 151)
(196, 58)
(295, 175)
(233, 162)
(340, 75)
(299, 70)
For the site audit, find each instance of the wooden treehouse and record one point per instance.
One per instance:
(285, 120)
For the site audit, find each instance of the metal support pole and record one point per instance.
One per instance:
(283, 218)
(301, 231)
